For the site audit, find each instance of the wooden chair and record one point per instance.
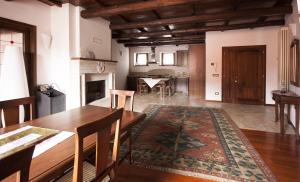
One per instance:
(168, 88)
(83, 171)
(118, 98)
(120, 102)
(18, 162)
(10, 109)
(142, 86)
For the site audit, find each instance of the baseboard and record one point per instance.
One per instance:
(272, 105)
(213, 101)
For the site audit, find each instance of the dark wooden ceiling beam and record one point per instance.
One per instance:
(235, 6)
(207, 17)
(202, 29)
(103, 5)
(133, 7)
(166, 43)
(277, 3)
(52, 2)
(186, 37)
(158, 17)
(141, 29)
(49, 2)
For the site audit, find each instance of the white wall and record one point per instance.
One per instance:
(95, 35)
(72, 36)
(60, 49)
(121, 54)
(75, 37)
(260, 36)
(38, 14)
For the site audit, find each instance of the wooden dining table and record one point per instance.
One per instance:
(59, 158)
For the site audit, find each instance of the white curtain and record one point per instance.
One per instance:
(13, 79)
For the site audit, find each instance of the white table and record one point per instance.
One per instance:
(151, 82)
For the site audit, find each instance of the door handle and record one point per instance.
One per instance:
(235, 81)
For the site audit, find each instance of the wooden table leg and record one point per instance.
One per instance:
(297, 119)
(282, 118)
(162, 91)
(289, 113)
(276, 111)
(130, 146)
(188, 86)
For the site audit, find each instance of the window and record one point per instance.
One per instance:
(167, 59)
(141, 59)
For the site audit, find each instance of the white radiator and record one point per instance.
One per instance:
(284, 55)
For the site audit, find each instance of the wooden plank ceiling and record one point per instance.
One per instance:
(175, 22)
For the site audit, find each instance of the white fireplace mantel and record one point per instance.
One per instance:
(85, 69)
(89, 65)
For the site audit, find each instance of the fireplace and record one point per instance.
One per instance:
(94, 90)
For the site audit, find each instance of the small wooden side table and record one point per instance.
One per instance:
(286, 98)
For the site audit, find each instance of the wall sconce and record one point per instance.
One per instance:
(46, 40)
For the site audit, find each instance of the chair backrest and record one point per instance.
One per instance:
(141, 81)
(17, 162)
(118, 98)
(10, 110)
(102, 129)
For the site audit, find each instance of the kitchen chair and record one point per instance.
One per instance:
(105, 168)
(142, 86)
(19, 163)
(10, 110)
(118, 100)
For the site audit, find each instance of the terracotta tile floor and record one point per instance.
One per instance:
(251, 117)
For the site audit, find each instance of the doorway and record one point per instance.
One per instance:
(243, 74)
(196, 58)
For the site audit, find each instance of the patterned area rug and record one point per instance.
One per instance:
(196, 141)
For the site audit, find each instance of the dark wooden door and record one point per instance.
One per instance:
(243, 74)
(196, 58)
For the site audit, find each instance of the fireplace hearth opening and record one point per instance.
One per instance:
(94, 90)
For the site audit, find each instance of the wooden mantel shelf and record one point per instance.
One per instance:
(91, 59)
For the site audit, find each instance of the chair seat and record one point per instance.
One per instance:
(88, 174)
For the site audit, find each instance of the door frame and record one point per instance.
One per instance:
(264, 48)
